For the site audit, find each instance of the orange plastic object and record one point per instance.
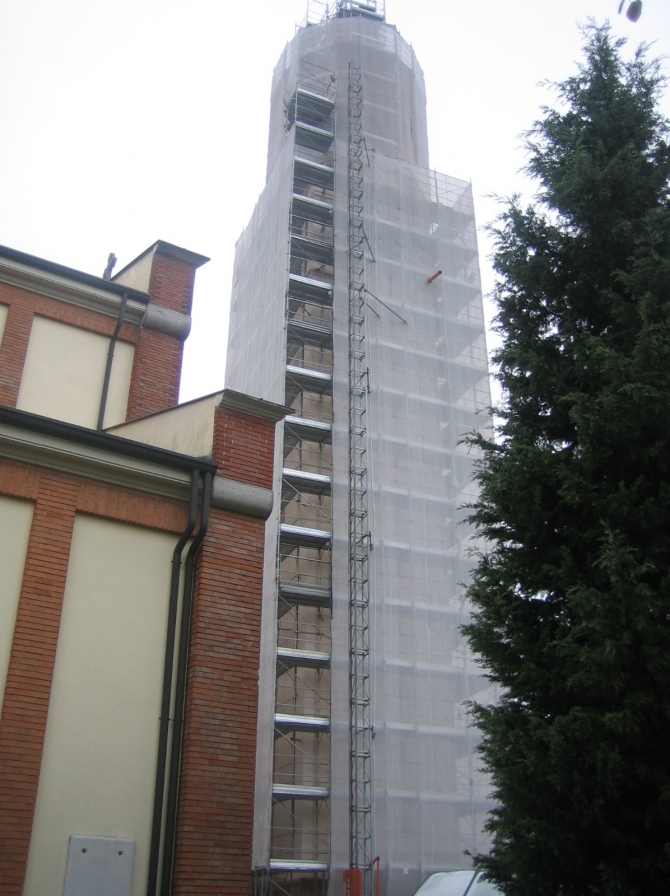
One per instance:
(353, 882)
(378, 876)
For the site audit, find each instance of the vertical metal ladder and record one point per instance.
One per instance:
(360, 775)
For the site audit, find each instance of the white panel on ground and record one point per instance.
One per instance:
(99, 866)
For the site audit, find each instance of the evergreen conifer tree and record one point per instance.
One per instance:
(572, 588)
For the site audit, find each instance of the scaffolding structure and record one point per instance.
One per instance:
(360, 713)
(299, 829)
(319, 10)
(357, 303)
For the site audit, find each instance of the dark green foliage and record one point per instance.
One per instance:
(572, 593)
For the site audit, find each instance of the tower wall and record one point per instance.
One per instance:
(395, 95)
(427, 384)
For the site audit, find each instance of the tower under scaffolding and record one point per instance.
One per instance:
(364, 747)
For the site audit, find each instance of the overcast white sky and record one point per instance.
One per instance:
(127, 121)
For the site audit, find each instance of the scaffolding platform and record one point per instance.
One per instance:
(309, 380)
(308, 333)
(300, 287)
(287, 865)
(313, 430)
(297, 535)
(282, 792)
(286, 722)
(308, 104)
(289, 658)
(313, 137)
(312, 172)
(298, 595)
(311, 249)
(312, 209)
(311, 483)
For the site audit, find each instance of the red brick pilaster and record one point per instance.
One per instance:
(14, 347)
(244, 447)
(26, 700)
(171, 283)
(154, 385)
(216, 803)
(216, 806)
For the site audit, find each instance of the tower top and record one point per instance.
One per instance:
(318, 10)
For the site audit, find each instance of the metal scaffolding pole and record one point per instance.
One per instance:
(360, 717)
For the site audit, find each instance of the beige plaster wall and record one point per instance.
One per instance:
(99, 758)
(3, 319)
(64, 373)
(119, 384)
(138, 274)
(16, 518)
(188, 428)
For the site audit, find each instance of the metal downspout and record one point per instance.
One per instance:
(110, 359)
(167, 687)
(180, 693)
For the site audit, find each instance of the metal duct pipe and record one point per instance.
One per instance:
(180, 693)
(163, 730)
(110, 360)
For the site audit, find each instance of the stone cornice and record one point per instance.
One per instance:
(254, 407)
(54, 445)
(238, 497)
(55, 281)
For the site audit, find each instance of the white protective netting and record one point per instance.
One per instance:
(429, 382)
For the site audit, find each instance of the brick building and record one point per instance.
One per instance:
(131, 562)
